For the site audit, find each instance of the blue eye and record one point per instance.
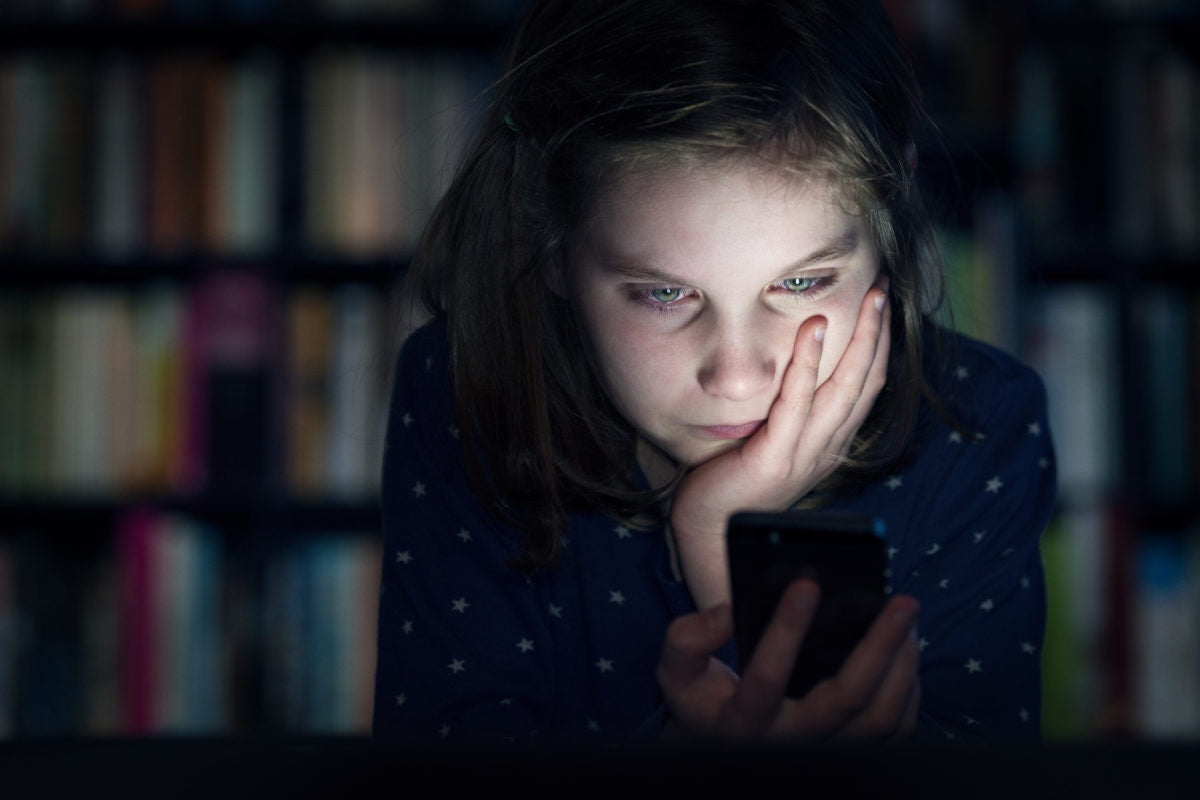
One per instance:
(799, 285)
(666, 294)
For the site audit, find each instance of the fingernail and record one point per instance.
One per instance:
(819, 334)
(879, 303)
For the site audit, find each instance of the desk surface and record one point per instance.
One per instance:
(263, 768)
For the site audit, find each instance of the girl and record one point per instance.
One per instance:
(685, 270)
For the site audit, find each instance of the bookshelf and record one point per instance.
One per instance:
(204, 210)
(1073, 127)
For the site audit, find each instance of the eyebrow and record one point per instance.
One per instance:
(840, 246)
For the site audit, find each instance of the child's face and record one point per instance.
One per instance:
(692, 285)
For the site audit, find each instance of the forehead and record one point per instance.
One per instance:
(735, 199)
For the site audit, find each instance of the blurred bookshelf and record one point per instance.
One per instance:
(1072, 176)
(205, 205)
(205, 208)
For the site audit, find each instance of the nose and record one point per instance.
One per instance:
(739, 363)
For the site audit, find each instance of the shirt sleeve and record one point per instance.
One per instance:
(972, 554)
(461, 635)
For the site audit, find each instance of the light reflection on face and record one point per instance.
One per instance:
(691, 285)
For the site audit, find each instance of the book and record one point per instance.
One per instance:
(1166, 637)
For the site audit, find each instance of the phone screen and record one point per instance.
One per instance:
(843, 553)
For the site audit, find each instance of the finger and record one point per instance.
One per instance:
(689, 642)
(764, 681)
(850, 692)
(789, 413)
(885, 715)
(837, 397)
(874, 383)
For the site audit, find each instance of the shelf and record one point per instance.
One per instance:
(295, 33)
(285, 515)
(49, 271)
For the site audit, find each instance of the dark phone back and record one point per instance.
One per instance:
(843, 552)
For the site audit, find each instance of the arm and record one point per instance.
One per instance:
(977, 564)
(453, 617)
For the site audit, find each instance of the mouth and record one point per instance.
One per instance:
(727, 432)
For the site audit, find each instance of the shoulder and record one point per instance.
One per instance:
(980, 384)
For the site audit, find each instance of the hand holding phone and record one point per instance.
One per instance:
(843, 553)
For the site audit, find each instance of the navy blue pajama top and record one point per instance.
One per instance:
(469, 649)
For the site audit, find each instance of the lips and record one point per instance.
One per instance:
(742, 431)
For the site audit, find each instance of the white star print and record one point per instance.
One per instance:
(401, 699)
(922, 643)
(891, 551)
(453, 431)
(407, 419)
(1024, 715)
(1034, 429)
(593, 726)
(934, 550)
(428, 363)
(979, 536)
(555, 611)
(464, 534)
(987, 605)
(444, 731)
(1044, 462)
(525, 645)
(967, 718)
(962, 373)
(894, 482)
(419, 490)
(944, 583)
(604, 665)
(994, 485)
(403, 557)
(973, 666)
(1028, 648)
(616, 597)
(457, 665)
(461, 605)
(1024, 582)
(506, 701)
(622, 532)
(407, 627)
(956, 437)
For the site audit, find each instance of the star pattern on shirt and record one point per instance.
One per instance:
(973, 595)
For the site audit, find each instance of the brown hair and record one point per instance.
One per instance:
(597, 87)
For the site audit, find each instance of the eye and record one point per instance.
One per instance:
(665, 294)
(799, 285)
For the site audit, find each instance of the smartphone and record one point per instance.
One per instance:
(842, 552)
